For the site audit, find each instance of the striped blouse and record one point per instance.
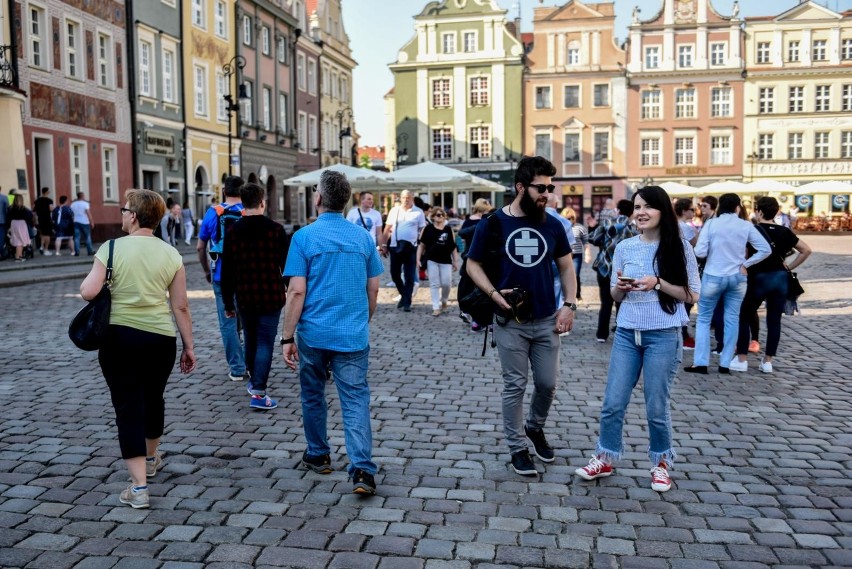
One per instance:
(641, 310)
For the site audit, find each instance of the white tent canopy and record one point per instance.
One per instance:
(832, 187)
(723, 187)
(358, 177)
(676, 190)
(761, 186)
(437, 176)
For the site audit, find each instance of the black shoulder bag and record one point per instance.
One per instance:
(472, 299)
(89, 327)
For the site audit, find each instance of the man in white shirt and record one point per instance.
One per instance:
(552, 204)
(722, 241)
(367, 217)
(83, 223)
(401, 234)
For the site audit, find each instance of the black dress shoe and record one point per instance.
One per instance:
(696, 369)
(724, 370)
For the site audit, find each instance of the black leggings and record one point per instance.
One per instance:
(136, 366)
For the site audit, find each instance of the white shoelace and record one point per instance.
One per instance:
(658, 473)
(596, 465)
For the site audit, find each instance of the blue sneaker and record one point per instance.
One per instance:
(264, 402)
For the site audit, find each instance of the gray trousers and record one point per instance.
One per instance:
(520, 345)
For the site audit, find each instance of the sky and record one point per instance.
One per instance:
(377, 30)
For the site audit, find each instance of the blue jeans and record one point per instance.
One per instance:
(731, 289)
(230, 335)
(84, 230)
(259, 331)
(350, 376)
(2, 240)
(403, 266)
(771, 287)
(578, 264)
(656, 354)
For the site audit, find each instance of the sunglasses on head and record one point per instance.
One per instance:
(543, 187)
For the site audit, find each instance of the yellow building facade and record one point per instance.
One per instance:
(13, 160)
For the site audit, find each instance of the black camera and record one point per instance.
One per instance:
(515, 297)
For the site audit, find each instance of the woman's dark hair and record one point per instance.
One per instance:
(728, 203)
(625, 207)
(768, 206)
(670, 258)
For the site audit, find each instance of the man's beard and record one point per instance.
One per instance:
(532, 209)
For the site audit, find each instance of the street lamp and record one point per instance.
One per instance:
(234, 67)
(340, 130)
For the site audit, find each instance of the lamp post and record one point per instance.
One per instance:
(234, 67)
(341, 132)
(401, 149)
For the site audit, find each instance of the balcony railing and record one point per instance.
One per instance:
(7, 70)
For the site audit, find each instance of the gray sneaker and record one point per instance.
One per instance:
(152, 466)
(135, 499)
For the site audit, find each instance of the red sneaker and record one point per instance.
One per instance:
(660, 480)
(595, 469)
(689, 343)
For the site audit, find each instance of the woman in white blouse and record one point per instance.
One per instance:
(653, 275)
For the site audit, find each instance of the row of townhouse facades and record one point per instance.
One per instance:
(100, 96)
(691, 96)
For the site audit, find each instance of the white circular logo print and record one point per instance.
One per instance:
(526, 247)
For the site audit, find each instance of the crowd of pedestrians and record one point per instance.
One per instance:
(654, 262)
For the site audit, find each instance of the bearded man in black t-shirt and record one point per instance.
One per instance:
(529, 323)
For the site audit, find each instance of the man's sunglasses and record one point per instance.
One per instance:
(543, 187)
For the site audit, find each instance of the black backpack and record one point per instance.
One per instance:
(472, 300)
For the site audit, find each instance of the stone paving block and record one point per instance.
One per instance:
(50, 542)
(347, 542)
(222, 534)
(644, 563)
(179, 533)
(815, 541)
(404, 529)
(719, 536)
(348, 560)
(195, 552)
(524, 556)
(147, 549)
(55, 560)
(136, 563)
(401, 563)
(756, 553)
(233, 553)
(97, 563)
(136, 531)
(615, 546)
(475, 551)
(435, 548)
(693, 564)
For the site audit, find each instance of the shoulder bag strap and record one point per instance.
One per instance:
(362, 218)
(109, 262)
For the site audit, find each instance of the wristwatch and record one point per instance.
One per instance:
(659, 285)
(289, 340)
(570, 305)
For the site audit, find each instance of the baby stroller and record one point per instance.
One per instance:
(9, 250)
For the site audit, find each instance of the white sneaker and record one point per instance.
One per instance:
(397, 298)
(48, 253)
(390, 283)
(737, 365)
(766, 367)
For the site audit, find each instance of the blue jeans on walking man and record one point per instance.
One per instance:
(84, 230)
(731, 289)
(259, 332)
(230, 336)
(349, 370)
(656, 354)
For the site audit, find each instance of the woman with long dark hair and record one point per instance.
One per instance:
(653, 274)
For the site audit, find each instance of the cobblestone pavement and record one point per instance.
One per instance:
(764, 477)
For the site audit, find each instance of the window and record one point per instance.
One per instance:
(650, 152)
(763, 51)
(765, 149)
(793, 51)
(247, 30)
(480, 142)
(442, 144)
(542, 97)
(478, 91)
(200, 91)
(220, 17)
(601, 146)
(572, 147)
(247, 108)
(312, 76)
(326, 134)
(794, 145)
(448, 41)
(766, 100)
(326, 82)
(168, 76)
(441, 92)
(720, 101)
(265, 46)
(685, 103)
(571, 98)
(720, 150)
(846, 97)
(684, 56)
(822, 102)
(221, 104)
(266, 101)
(652, 57)
(344, 89)
(335, 85)
(282, 50)
(818, 53)
(105, 67)
(108, 169)
(198, 13)
(601, 95)
(300, 72)
(79, 173)
(145, 85)
(282, 113)
(303, 132)
(469, 40)
(573, 56)
(73, 50)
(38, 37)
(797, 98)
(846, 144)
(846, 49)
(543, 147)
(313, 135)
(821, 144)
(718, 53)
(651, 104)
(684, 151)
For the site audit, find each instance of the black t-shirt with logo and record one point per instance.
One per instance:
(782, 241)
(528, 250)
(439, 244)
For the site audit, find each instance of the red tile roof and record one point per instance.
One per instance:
(374, 152)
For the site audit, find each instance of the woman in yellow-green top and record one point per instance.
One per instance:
(139, 353)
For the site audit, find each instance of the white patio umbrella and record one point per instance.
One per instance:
(437, 176)
(832, 187)
(358, 177)
(723, 187)
(763, 186)
(676, 190)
